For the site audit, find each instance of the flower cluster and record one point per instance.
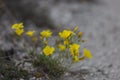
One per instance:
(70, 41)
(19, 28)
(68, 44)
(74, 49)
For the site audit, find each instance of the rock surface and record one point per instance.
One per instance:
(100, 24)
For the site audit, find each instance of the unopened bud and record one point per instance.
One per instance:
(80, 34)
(76, 28)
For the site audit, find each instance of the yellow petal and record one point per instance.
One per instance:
(46, 33)
(30, 33)
(19, 32)
(61, 47)
(48, 50)
(87, 53)
(18, 26)
(65, 34)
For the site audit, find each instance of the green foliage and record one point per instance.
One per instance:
(53, 60)
(10, 72)
(52, 67)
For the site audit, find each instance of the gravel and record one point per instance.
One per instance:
(100, 23)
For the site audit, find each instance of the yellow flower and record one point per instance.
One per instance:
(74, 49)
(30, 33)
(87, 53)
(19, 32)
(76, 28)
(18, 26)
(76, 59)
(61, 47)
(46, 33)
(65, 33)
(48, 50)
